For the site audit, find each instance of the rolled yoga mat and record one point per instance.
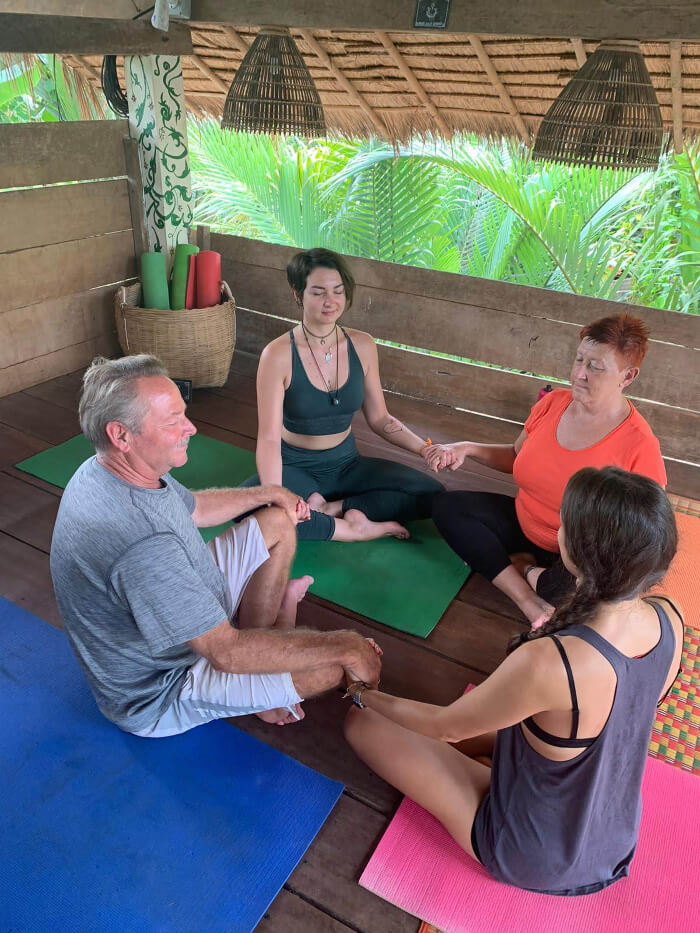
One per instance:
(154, 281)
(190, 298)
(106, 831)
(208, 278)
(178, 281)
(404, 584)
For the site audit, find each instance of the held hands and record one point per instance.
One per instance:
(365, 664)
(296, 508)
(445, 456)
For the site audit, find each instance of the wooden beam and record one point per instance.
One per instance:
(413, 83)
(90, 36)
(505, 97)
(104, 9)
(640, 19)
(677, 95)
(378, 124)
(206, 70)
(580, 52)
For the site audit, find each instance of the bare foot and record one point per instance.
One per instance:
(363, 529)
(319, 504)
(294, 592)
(537, 611)
(282, 716)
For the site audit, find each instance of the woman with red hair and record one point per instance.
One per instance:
(590, 424)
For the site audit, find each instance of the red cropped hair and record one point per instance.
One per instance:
(627, 335)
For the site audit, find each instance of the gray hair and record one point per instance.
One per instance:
(110, 393)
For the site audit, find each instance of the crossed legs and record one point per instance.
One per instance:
(443, 780)
(270, 600)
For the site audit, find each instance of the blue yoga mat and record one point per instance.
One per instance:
(101, 830)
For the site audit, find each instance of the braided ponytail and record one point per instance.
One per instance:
(619, 533)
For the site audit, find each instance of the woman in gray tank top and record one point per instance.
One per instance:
(566, 717)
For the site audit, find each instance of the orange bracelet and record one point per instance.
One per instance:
(428, 443)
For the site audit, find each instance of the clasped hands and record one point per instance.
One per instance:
(367, 664)
(444, 456)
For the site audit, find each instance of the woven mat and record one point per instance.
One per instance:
(675, 736)
(682, 504)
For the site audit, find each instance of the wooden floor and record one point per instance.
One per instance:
(322, 895)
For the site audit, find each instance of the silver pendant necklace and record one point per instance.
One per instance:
(328, 355)
(332, 396)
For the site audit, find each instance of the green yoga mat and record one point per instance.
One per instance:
(154, 281)
(404, 584)
(178, 282)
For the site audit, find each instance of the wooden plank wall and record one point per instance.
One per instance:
(528, 330)
(64, 246)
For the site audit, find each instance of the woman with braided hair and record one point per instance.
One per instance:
(567, 716)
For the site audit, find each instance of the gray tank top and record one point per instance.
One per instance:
(570, 827)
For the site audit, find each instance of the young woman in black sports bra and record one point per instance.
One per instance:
(311, 382)
(567, 716)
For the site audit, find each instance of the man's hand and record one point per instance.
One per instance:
(297, 509)
(364, 663)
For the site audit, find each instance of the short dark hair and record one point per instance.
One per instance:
(627, 335)
(302, 264)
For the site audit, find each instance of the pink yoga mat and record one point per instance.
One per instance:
(418, 867)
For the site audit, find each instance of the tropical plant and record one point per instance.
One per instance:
(464, 206)
(45, 88)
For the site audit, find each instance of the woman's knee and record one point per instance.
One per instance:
(319, 527)
(356, 725)
(443, 511)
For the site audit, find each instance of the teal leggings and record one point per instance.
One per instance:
(383, 489)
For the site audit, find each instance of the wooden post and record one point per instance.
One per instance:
(157, 122)
(136, 203)
(677, 95)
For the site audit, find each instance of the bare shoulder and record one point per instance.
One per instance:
(363, 342)
(276, 353)
(534, 659)
(672, 610)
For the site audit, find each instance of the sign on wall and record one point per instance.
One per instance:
(431, 14)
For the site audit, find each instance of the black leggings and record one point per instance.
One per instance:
(483, 528)
(383, 489)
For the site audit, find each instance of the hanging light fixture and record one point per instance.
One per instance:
(273, 91)
(607, 115)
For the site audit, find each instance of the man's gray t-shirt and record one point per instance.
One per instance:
(134, 583)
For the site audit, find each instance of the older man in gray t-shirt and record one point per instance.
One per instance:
(170, 632)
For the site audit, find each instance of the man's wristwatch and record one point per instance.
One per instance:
(354, 691)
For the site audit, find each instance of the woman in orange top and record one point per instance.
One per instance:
(590, 424)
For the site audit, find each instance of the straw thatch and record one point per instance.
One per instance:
(397, 85)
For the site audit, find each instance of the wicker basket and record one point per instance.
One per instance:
(196, 344)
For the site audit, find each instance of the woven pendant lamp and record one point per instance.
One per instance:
(273, 91)
(607, 115)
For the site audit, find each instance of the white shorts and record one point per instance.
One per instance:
(209, 694)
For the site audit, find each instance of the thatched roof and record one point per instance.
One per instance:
(398, 84)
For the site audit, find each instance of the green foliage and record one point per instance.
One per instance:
(464, 206)
(44, 88)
